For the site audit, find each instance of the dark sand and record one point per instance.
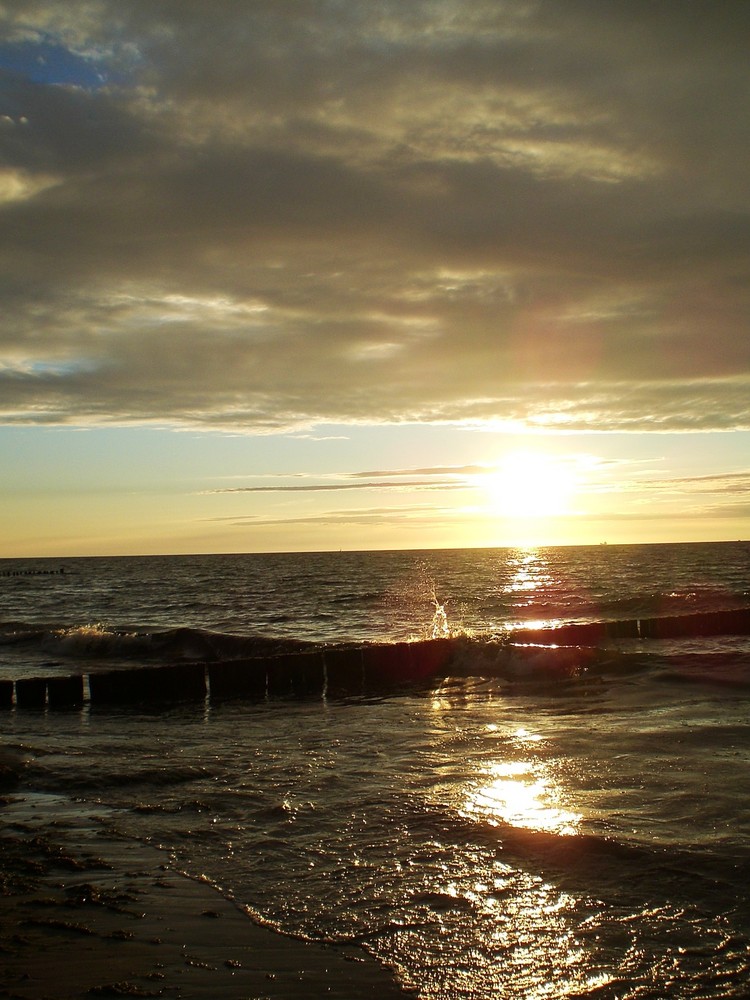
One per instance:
(84, 914)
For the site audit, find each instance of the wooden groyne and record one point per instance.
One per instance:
(335, 673)
(342, 671)
(701, 624)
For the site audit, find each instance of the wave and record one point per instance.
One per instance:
(95, 641)
(181, 663)
(596, 864)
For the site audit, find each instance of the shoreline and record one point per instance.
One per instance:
(84, 913)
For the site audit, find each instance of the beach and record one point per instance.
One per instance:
(115, 919)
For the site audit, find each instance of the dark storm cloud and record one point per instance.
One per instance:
(66, 129)
(273, 214)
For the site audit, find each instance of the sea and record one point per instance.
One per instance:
(535, 821)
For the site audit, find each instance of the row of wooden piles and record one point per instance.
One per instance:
(333, 673)
(700, 624)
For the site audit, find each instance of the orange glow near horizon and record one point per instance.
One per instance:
(94, 493)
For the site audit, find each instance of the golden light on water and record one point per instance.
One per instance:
(523, 936)
(530, 573)
(522, 794)
(519, 798)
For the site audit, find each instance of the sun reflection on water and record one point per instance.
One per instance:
(518, 797)
(527, 578)
(489, 918)
(521, 793)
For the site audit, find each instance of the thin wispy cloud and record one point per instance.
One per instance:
(412, 514)
(414, 484)
(729, 482)
(383, 479)
(440, 470)
(719, 484)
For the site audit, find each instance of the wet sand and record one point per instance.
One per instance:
(84, 913)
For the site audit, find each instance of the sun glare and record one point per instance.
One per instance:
(524, 796)
(529, 484)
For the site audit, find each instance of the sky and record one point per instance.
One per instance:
(300, 275)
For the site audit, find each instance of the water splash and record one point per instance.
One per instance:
(439, 628)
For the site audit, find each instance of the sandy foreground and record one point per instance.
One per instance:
(86, 915)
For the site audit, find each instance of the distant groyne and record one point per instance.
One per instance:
(33, 572)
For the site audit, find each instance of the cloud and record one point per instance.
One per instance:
(268, 216)
(439, 470)
(398, 479)
(737, 510)
(723, 495)
(414, 484)
(411, 514)
(728, 482)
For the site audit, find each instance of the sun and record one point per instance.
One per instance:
(529, 484)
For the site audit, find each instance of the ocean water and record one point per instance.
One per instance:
(534, 822)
